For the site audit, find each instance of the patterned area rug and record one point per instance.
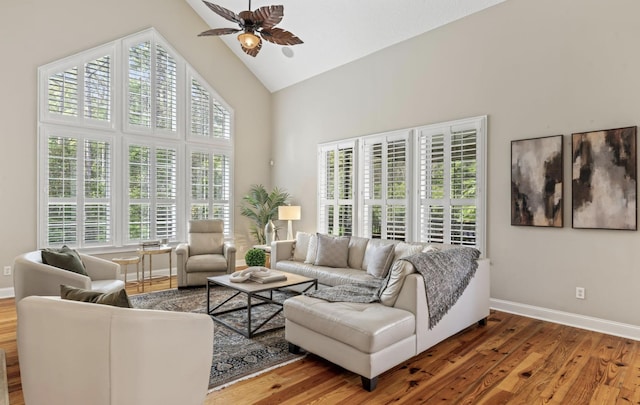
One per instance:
(234, 356)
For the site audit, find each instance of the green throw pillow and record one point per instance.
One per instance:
(115, 299)
(64, 258)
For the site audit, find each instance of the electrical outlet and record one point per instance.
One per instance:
(7, 270)
(580, 293)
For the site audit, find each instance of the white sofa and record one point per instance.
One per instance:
(76, 353)
(32, 277)
(369, 339)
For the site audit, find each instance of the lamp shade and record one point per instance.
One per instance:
(289, 212)
(248, 40)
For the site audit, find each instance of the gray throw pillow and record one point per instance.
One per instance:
(116, 299)
(379, 259)
(64, 258)
(333, 251)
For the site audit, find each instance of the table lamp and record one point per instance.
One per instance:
(289, 213)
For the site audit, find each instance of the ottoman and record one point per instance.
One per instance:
(366, 339)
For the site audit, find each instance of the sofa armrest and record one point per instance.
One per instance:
(100, 269)
(281, 250)
(229, 252)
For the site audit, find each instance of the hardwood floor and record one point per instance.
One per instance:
(514, 360)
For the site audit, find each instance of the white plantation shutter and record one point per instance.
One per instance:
(166, 90)
(130, 110)
(79, 183)
(336, 188)
(152, 199)
(210, 184)
(210, 118)
(451, 177)
(97, 89)
(139, 84)
(63, 92)
(384, 179)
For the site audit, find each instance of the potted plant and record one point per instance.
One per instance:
(261, 207)
(255, 257)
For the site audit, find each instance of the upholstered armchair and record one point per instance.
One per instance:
(206, 254)
(76, 353)
(32, 277)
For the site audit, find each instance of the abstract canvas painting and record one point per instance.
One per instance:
(536, 182)
(604, 179)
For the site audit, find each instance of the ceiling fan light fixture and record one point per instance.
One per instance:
(248, 40)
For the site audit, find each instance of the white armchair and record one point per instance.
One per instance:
(206, 254)
(76, 353)
(32, 277)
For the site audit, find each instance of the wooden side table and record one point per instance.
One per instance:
(151, 252)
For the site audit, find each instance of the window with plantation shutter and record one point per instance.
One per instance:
(419, 184)
(210, 187)
(79, 185)
(336, 188)
(210, 118)
(130, 119)
(451, 180)
(384, 180)
(152, 198)
(152, 86)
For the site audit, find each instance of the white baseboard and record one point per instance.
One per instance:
(7, 292)
(566, 318)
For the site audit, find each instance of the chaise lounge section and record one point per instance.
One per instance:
(371, 338)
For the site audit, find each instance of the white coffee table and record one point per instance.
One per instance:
(256, 291)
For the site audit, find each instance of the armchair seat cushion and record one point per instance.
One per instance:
(366, 327)
(205, 263)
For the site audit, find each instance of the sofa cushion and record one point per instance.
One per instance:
(333, 251)
(205, 243)
(378, 258)
(325, 275)
(389, 292)
(301, 247)
(406, 249)
(64, 258)
(357, 247)
(116, 299)
(366, 327)
(202, 263)
(312, 249)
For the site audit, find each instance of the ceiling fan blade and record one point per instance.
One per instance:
(224, 13)
(280, 36)
(268, 16)
(219, 31)
(254, 51)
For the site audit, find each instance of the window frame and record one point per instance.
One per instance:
(122, 134)
(412, 182)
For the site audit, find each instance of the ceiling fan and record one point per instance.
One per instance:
(261, 21)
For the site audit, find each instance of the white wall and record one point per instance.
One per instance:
(36, 32)
(536, 68)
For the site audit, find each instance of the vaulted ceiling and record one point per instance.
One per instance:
(335, 32)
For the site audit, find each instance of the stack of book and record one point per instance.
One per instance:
(271, 276)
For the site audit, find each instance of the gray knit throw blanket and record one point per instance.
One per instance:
(446, 274)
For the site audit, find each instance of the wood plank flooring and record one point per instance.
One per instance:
(512, 360)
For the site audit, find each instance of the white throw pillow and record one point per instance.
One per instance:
(405, 249)
(333, 251)
(378, 258)
(357, 248)
(399, 270)
(311, 250)
(302, 246)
